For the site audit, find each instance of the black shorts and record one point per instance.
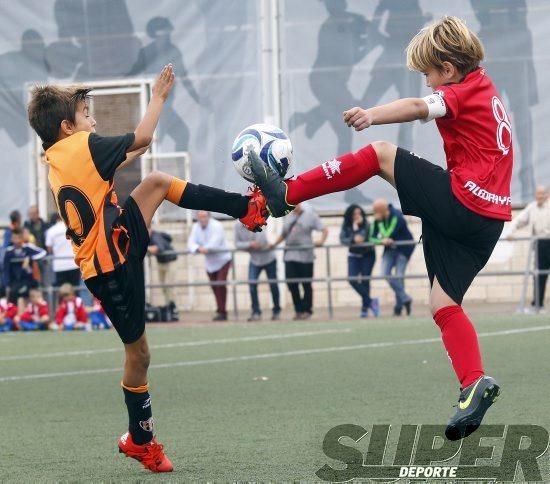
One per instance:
(122, 292)
(457, 242)
(20, 289)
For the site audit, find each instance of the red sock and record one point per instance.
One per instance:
(342, 173)
(460, 340)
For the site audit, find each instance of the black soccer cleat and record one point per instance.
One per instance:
(271, 184)
(473, 402)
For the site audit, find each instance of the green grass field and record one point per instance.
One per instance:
(62, 408)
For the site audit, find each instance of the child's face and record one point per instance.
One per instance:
(17, 240)
(35, 297)
(83, 121)
(436, 77)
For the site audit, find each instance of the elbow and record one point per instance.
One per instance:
(420, 108)
(141, 141)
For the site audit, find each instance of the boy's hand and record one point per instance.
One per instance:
(359, 118)
(165, 81)
(26, 263)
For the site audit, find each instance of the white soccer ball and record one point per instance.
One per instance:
(270, 143)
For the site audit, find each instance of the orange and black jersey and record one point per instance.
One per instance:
(81, 171)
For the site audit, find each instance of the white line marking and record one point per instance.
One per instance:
(230, 359)
(119, 349)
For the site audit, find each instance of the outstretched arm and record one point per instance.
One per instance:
(400, 111)
(161, 90)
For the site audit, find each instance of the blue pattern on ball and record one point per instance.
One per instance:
(238, 147)
(270, 141)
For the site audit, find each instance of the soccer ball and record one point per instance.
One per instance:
(270, 143)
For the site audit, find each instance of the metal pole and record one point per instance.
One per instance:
(50, 288)
(526, 275)
(536, 275)
(329, 283)
(234, 286)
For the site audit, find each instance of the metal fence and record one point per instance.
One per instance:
(530, 270)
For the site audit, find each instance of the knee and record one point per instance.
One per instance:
(140, 358)
(384, 151)
(437, 303)
(158, 179)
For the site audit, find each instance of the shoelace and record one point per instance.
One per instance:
(154, 453)
(461, 398)
(255, 190)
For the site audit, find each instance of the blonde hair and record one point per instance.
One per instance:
(448, 40)
(66, 289)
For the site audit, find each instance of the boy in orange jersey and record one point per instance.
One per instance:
(110, 241)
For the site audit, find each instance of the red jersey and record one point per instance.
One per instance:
(33, 312)
(74, 307)
(477, 138)
(7, 309)
(98, 307)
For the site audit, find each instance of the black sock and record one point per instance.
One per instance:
(140, 416)
(203, 197)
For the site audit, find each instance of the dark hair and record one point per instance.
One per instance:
(17, 231)
(50, 106)
(15, 216)
(348, 215)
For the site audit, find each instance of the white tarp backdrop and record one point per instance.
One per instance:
(334, 54)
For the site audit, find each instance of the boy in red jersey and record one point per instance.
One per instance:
(71, 313)
(36, 314)
(110, 241)
(463, 208)
(8, 311)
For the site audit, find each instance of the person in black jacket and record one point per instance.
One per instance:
(390, 227)
(355, 232)
(37, 226)
(160, 245)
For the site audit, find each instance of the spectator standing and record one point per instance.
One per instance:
(536, 216)
(71, 312)
(18, 267)
(36, 315)
(261, 259)
(160, 245)
(208, 238)
(391, 227)
(355, 232)
(36, 226)
(64, 267)
(297, 231)
(15, 223)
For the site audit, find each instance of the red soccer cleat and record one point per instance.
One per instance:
(151, 455)
(257, 214)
